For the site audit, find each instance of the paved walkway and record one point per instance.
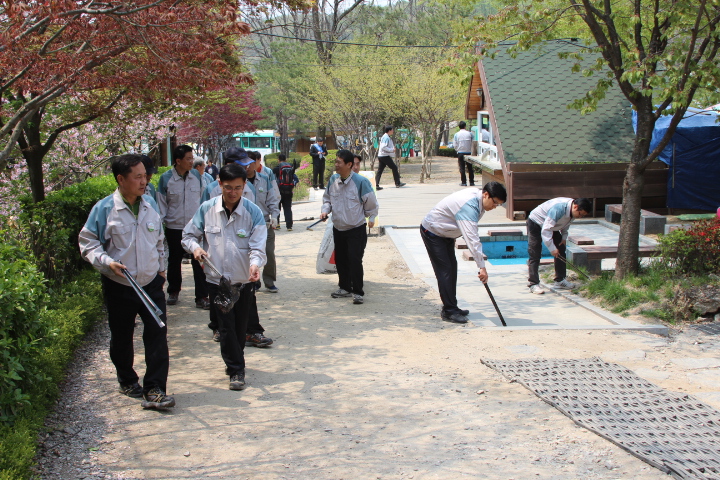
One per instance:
(402, 210)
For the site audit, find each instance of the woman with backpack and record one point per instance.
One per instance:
(286, 179)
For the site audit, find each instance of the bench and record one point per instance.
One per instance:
(505, 233)
(650, 223)
(591, 256)
(468, 256)
(580, 240)
(460, 243)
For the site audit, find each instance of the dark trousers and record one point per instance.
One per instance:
(318, 179)
(535, 251)
(387, 162)
(253, 323)
(286, 206)
(232, 327)
(269, 273)
(123, 304)
(441, 251)
(174, 270)
(462, 165)
(349, 250)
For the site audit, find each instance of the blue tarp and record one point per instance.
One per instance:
(693, 159)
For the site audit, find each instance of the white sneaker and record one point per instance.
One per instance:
(564, 284)
(537, 289)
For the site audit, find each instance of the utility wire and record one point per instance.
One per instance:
(351, 43)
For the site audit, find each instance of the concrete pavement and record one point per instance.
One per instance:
(402, 210)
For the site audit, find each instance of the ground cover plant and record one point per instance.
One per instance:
(50, 299)
(678, 285)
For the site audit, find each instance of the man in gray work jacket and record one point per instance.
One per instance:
(123, 232)
(350, 198)
(178, 196)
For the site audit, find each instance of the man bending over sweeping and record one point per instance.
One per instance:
(457, 215)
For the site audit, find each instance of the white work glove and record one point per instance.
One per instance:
(273, 223)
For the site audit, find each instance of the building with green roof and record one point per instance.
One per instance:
(544, 149)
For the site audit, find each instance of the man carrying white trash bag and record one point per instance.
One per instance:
(326, 254)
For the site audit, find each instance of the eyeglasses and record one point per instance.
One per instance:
(230, 189)
(497, 204)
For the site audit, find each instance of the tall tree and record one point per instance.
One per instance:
(658, 53)
(212, 123)
(69, 52)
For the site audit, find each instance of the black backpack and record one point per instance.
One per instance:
(285, 177)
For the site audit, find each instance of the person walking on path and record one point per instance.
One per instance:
(199, 165)
(124, 232)
(149, 171)
(386, 153)
(234, 230)
(454, 216)
(286, 180)
(212, 170)
(351, 199)
(267, 197)
(318, 152)
(548, 225)
(462, 141)
(178, 197)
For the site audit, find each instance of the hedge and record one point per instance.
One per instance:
(40, 330)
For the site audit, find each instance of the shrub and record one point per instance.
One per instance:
(52, 226)
(23, 332)
(59, 327)
(447, 152)
(271, 159)
(695, 251)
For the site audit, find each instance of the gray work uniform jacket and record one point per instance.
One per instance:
(112, 233)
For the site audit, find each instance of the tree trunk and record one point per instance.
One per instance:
(34, 161)
(633, 184)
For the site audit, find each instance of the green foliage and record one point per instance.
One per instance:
(22, 331)
(271, 159)
(52, 226)
(447, 152)
(56, 327)
(695, 251)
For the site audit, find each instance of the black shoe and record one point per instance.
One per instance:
(257, 340)
(216, 335)
(465, 312)
(400, 185)
(132, 390)
(472, 184)
(172, 298)
(203, 303)
(463, 184)
(321, 188)
(454, 317)
(378, 187)
(157, 399)
(237, 381)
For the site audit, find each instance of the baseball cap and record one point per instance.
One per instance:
(237, 155)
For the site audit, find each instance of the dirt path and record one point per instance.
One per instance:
(384, 390)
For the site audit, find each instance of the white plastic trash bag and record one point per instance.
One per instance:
(326, 258)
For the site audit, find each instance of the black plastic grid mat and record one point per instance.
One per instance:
(673, 432)
(712, 328)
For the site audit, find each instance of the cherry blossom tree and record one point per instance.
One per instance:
(75, 60)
